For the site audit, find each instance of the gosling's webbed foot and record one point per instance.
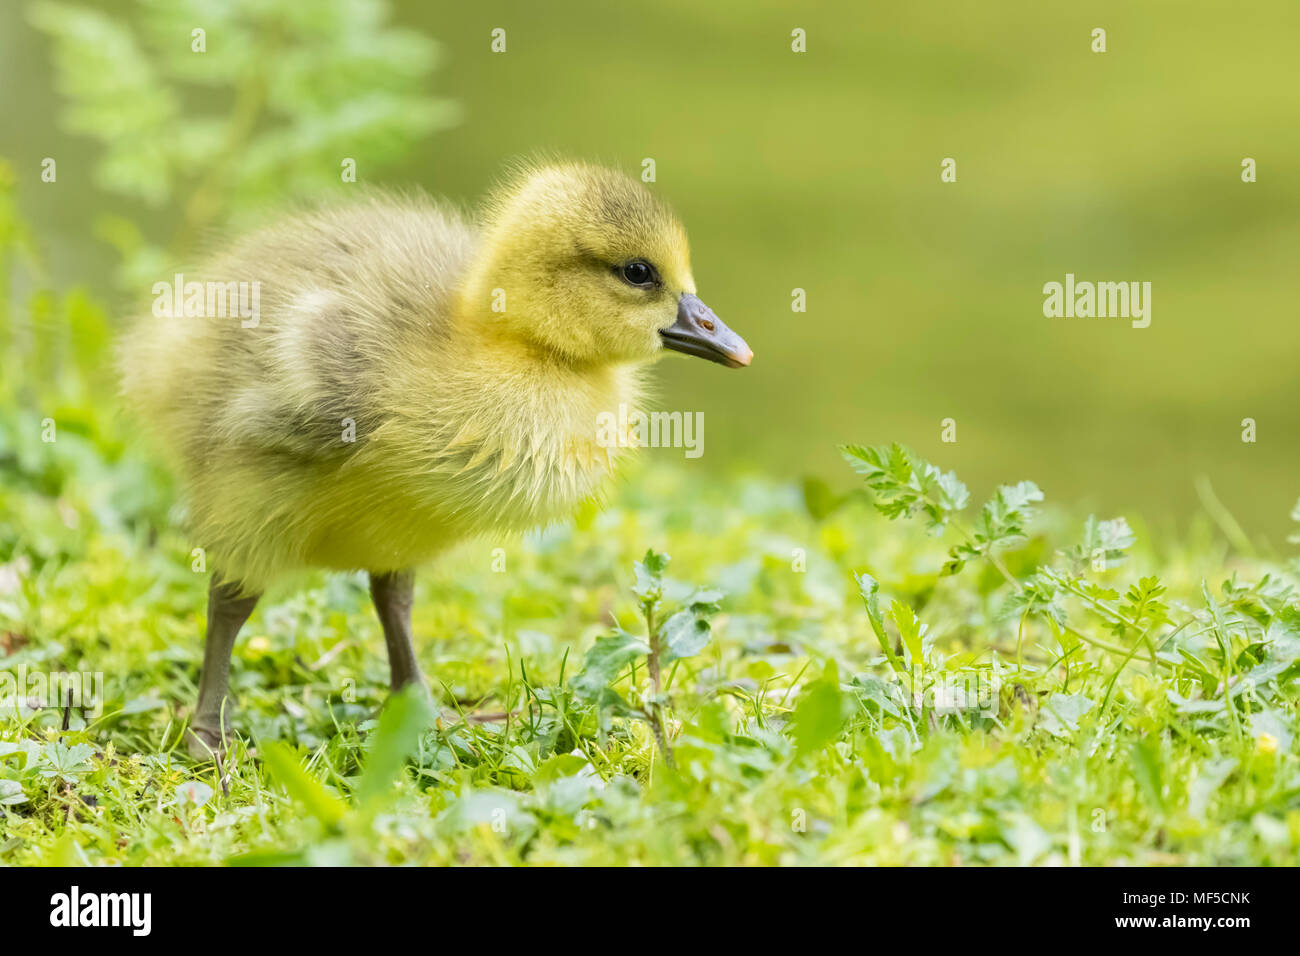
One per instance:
(399, 683)
(420, 692)
(204, 744)
(418, 688)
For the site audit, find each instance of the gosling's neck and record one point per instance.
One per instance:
(524, 369)
(521, 425)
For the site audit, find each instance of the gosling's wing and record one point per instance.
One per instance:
(342, 294)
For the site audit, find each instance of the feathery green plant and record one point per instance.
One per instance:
(1252, 626)
(219, 110)
(681, 635)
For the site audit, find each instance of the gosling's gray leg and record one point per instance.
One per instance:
(227, 612)
(394, 595)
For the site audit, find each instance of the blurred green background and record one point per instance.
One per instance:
(817, 170)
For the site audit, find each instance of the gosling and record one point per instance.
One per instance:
(407, 377)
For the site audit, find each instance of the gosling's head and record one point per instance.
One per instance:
(590, 265)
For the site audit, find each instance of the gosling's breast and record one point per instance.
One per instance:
(530, 449)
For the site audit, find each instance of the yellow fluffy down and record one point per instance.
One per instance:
(415, 375)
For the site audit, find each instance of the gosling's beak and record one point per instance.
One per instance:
(698, 331)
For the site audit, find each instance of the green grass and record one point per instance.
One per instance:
(789, 744)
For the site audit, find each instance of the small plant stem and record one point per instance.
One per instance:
(887, 646)
(1020, 640)
(654, 708)
(1224, 640)
(1110, 684)
(652, 633)
(661, 735)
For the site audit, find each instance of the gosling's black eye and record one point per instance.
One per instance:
(639, 273)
